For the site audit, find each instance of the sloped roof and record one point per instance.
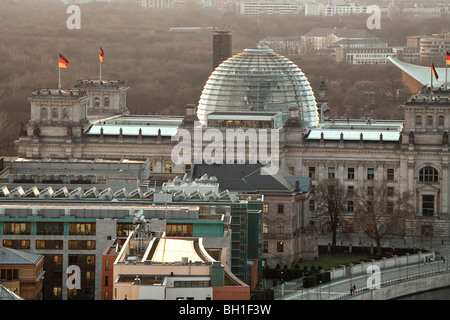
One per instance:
(420, 73)
(6, 294)
(18, 257)
(248, 177)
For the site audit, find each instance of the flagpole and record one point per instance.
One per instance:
(100, 61)
(59, 73)
(431, 76)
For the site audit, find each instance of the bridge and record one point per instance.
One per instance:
(398, 276)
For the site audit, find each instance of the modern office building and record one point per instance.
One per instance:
(75, 228)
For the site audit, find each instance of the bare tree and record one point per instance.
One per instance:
(380, 210)
(330, 199)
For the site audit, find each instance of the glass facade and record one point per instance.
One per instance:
(258, 80)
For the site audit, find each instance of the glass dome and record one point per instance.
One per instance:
(258, 80)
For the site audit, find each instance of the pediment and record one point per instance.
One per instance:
(428, 188)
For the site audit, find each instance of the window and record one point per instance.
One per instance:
(106, 265)
(350, 206)
(49, 244)
(82, 228)
(390, 191)
(390, 207)
(418, 120)
(18, 228)
(331, 173)
(25, 244)
(350, 190)
(55, 113)
(428, 174)
(370, 173)
(90, 261)
(180, 229)
(265, 247)
(291, 169)
(280, 246)
(280, 227)
(57, 261)
(427, 205)
(429, 120)
(280, 208)
(44, 113)
(311, 205)
(266, 208)
(57, 292)
(65, 113)
(370, 191)
(390, 174)
(106, 281)
(168, 168)
(106, 102)
(441, 120)
(312, 173)
(124, 229)
(96, 102)
(49, 228)
(351, 173)
(265, 227)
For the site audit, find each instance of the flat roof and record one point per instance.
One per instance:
(130, 125)
(368, 135)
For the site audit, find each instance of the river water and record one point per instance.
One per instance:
(438, 294)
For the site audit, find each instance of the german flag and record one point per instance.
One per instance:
(101, 54)
(433, 70)
(447, 58)
(63, 62)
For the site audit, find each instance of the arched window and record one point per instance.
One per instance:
(441, 120)
(96, 102)
(106, 102)
(54, 113)
(429, 120)
(44, 113)
(418, 120)
(428, 174)
(65, 113)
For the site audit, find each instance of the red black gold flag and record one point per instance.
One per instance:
(101, 55)
(63, 62)
(433, 70)
(447, 58)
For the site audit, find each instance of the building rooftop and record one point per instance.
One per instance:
(58, 94)
(148, 125)
(422, 74)
(99, 84)
(10, 256)
(248, 177)
(6, 294)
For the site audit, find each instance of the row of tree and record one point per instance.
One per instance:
(378, 209)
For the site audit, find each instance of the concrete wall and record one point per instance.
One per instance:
(384, 263)
(406, 288)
